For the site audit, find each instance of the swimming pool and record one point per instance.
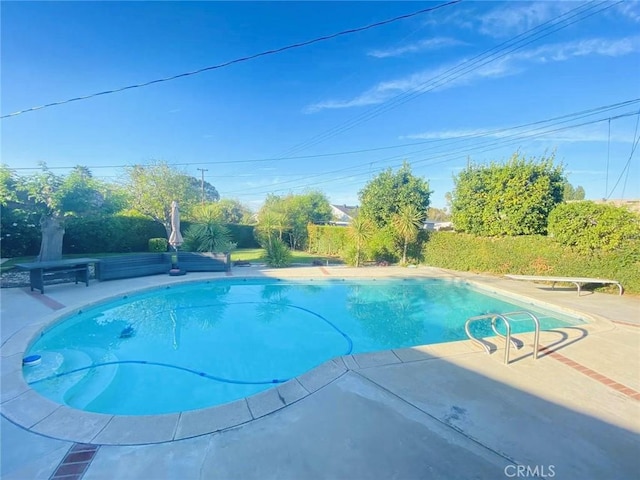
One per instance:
(196, 345)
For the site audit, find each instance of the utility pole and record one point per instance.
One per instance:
(202, 170)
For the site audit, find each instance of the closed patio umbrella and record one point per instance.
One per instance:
(175, 239)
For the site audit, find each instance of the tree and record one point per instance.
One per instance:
(386, 194)
(232, 211)
(210, 192)
(293, 213)
(570, 193)
(406, 224)
(438, 214)
(50, 199)
(514, 198)
(152, 188)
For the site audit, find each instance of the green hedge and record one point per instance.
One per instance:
(243, 235)
(588, 226)
(531, 255)
(158, 245)
(110, 234)
(20, 233)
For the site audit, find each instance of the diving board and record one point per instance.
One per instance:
(577, 281)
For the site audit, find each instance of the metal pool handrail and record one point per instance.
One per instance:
(505, 317)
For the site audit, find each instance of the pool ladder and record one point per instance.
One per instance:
(506, 318)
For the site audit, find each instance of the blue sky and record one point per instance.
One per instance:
(434, 90)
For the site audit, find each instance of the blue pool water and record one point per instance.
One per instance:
(201, 344)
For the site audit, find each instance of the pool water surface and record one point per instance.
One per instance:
(201, 344)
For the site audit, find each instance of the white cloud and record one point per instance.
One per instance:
(420, 46)
(588, 133)
(629, 9)
(513, 18)
(451, 75)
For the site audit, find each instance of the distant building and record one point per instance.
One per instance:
(343, 214)
(436, 225)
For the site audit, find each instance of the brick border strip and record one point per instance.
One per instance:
(629, 392)
(42, 298)
(626, 324)
(75, 463)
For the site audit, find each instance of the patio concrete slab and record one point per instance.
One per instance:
(348, 429)
(181, 460)
(533, 412)
(613, 348)
(27, 456)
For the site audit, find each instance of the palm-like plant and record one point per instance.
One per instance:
(406, 224)
(360, 230)
(209, 234)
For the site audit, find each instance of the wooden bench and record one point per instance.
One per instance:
(133, 265)
(41, 271)
(577, 281)
(203, 261)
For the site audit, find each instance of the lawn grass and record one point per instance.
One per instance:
(256, 255)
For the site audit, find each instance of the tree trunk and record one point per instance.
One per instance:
(404, 253)
(52, 231)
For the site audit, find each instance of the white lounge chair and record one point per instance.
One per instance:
(577, 281)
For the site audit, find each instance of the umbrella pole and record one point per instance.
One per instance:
(174, 257)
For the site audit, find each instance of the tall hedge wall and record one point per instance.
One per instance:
(327, 239)
(531, 255)
(112, 234)
(243, 235)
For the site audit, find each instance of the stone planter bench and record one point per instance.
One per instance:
(203, 261)
(134, 265)
(143, 264)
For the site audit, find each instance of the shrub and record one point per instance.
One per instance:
(588, 226)
(277, 254)
(382, 246)
(158, 244)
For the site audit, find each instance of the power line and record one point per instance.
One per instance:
(238, 60)
(488, 133)
(634, 145)
(457, 71)
(448, 156)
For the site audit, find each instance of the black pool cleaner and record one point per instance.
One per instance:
(127, 332)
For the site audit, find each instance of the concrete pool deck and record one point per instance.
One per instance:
(441, 411)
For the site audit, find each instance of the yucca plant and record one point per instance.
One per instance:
(208, 234)
(277, 253)
(360, 231)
